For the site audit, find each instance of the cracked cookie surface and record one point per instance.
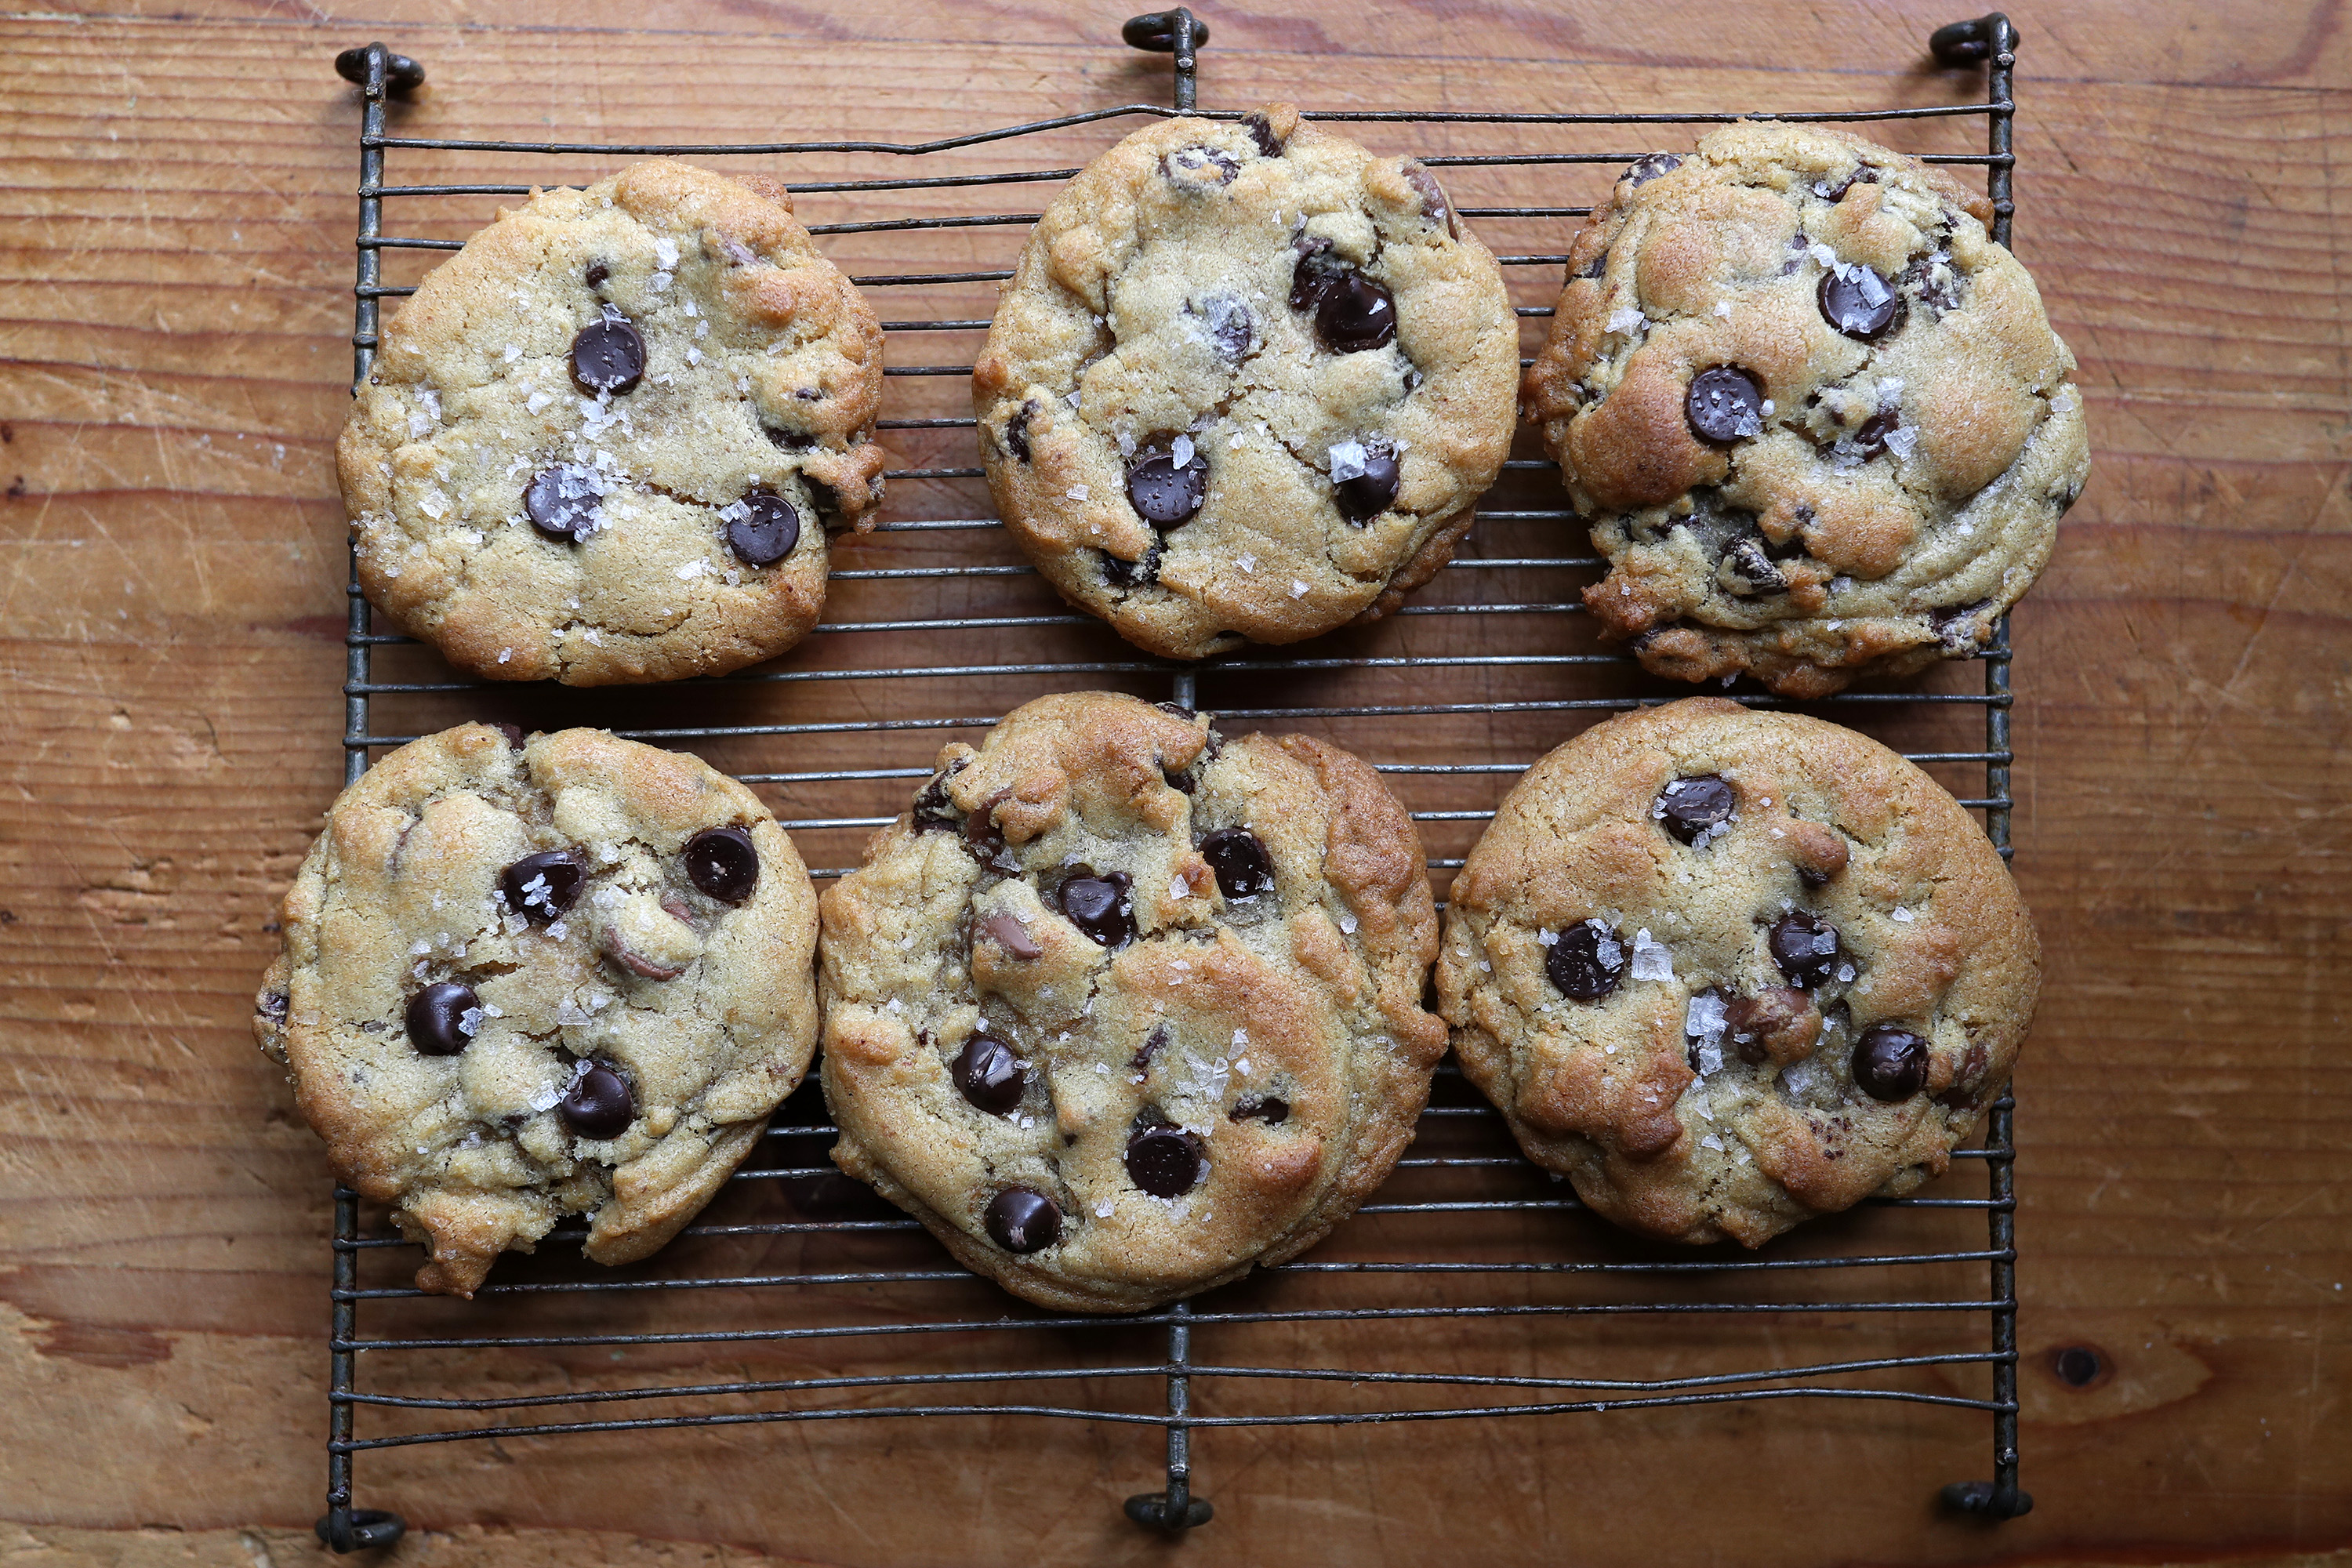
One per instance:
(1246, 383)
(1726, 969)
(1814, 416)
(1119, 1008)
(604, 441)
(524, 980)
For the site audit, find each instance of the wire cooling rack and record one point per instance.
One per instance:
(939, 629)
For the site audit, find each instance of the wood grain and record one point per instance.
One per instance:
(176, 220)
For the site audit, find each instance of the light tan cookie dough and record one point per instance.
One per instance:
(1726, 969)
(1119, 1009)
(604, 441)
(1247, 381)
(1815, 417)
(522, 981)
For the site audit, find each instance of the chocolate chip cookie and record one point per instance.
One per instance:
(1119, 1008)
(604, 441)
(527, 980)
(1815, 417)
(1246, 383)
(1726, 969)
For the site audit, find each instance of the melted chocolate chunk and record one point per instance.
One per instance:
(541, 886)
(1725, 405)
(1644, 168)
(1364, 496)
(1860, 303)
(1270, 1108)
(1229, 323)
(934, 811)
(1020, 1220)
(788, 441)
(1433, 205)
(985, 839)
(722, 863)
(1261, 132)
(1690, 807)
(1352, 313)
(1751, 563)
(1120, 572)
(1098, 906)
(1890, 1064)
(597, 273)
(1197, 168)
(513, 733)
(1956, 625)
(1805, 947)
(562, 502)
(1152, 1045)
(1164, 495)
(1166, 1162)
(986, 1073)
(1587, 962)
(599, 1103)
(1872, 435)
(1009, 933)
(1243, 867)
(1753, 1023)
(1940, 294)
(1016, 430)
(767, 531)
(437, 1024)
(608, 355)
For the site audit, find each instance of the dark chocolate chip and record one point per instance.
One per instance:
(1164, 495)
(934, 811)
(1365, 495)
(608, 355)
(1433, 205)
(599, 1103)
(437, 1019)
(1860, 303)
(1166, 1162)
(1206, 166)
(1020, 1220)
(1261, 132)
(1152, 1045)
(1805, 947)
(541, 887)
(1690, 807)
(562, 502)
(1873, 433)
(274, 1004)
(1120, 572)
(1644, 168)
(1270, 1108)
(1016, 430)
(1957, 626)
(1352, 313)
(985, 839)
(1725, 405)
(1179, 711)
(1230, 323)
(513, 733)
(597, 273)
(1587, 962)
(722, 863)
(1098, 906)
(1750, 1023)
(1243, 867)
(767, 530)
(1889, 1063)
(1940, 294)
(1751, 563)
(788, 441)
(986, 1073)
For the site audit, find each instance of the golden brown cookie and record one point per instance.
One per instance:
(1118, 1009)
(1726, 969)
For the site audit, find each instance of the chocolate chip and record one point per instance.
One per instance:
(437, 1024)
(1433, 205)
(1016, 430)
(1153, 1044)
(986, 1073)
(1120, 572)
(541, 887)
(765, 531)
(1097, 905)
(1587, 962)
(1206, 165)
(1725, 405)
(1939, 294)
(1958, 626)
(1860, 303)
(1755, 1023)
(513, 733)
(1164, 495)
(985, 839)
(1890, 1064)
(934, 811)
(1863, 174)
(1166, 1162)
(1230, 324)
(1644, 168)
(1872, 435)
(562, 502)
(1352, 313)
(1364, 496)
(1805, 947)
(608, 355)
(1243, 867)
(597, 273)
(1020, 1220)
(1688, 807)
(1262, 132)
(788, 441)
(599, 1103)
(1270, 1108)
(722, 863)
(1006, 930)
(1752, 564)
(1177, 709)
(274, 1004)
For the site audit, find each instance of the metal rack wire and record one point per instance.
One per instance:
(1499, 635)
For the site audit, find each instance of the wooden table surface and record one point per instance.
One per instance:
(175, 223)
